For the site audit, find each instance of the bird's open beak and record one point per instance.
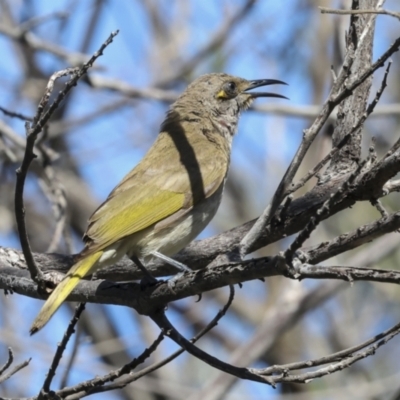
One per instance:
(264, 82)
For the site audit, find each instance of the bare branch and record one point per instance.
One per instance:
(216, 40)
(391, 186)
(169, 330)
(39, 121)
(96, 385)
(72, 357)
(337, 95)
(39, 20)
(13, 370)
(318, 166)
(351, 240)
(34, 42)
(14, 114)
(60, 350)
(325, 10)
(9, 361)
(100, 82)
(321, 212)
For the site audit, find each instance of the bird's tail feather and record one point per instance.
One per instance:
(63, 289)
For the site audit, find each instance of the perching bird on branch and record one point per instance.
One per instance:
(175, 190)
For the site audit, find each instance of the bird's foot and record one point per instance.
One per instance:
(172, 281)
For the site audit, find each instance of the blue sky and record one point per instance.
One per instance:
(108, 149)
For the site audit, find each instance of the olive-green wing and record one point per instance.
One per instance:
(128, 213)
(149, 194)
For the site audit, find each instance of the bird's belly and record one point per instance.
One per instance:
(173, 234)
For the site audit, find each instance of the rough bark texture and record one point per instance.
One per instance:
(346, 209)
(351, 109)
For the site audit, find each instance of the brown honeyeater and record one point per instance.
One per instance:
(164, 202)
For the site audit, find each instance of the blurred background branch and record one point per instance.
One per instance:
(111, 118)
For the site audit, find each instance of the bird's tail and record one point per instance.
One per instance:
(63, 289)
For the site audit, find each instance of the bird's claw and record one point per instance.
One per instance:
(172, 281)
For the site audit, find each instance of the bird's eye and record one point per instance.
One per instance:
(228, 91)
(231, 87)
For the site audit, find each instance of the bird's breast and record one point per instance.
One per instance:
(176, 231)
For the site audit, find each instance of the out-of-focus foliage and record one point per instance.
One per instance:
(110, 120)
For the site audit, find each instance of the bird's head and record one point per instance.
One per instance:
(223, 94)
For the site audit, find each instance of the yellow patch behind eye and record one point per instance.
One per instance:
(222, 95)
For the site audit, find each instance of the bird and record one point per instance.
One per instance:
(171, 195)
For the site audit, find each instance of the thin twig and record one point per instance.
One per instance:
(20, 141)
(374, 102)
(339, 92)
(372, 156)
(58, 128)
(327, 359)
(312, 111)
(391, 186)
(321, 212)
(55, 192)
(14, 370)
(366, 74)
(38, 20)
(39, 121)
(370, 109)
(282, 212)
(345, 273)
(93, 384)
(255, 374)
(60, 350)
(89, 387)
(379, 206)
(215, 41)
(353, 239)
(392, 150)
(319, 165)
(14, 114)
(289, 307)
(72, 357)
(325, 10)
(36, 43)
(71, 83)
(112, 84)
(169, 330)
(349, 357)
(8, 362)
(314, 221)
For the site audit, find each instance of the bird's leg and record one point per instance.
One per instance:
(148, 279)
(181, 267)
